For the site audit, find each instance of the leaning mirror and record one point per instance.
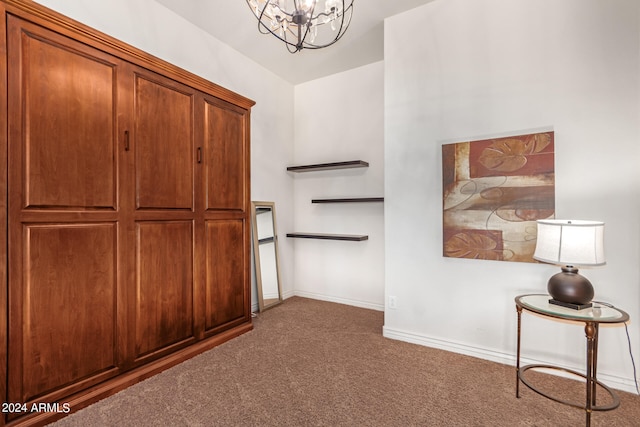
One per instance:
(265, 254)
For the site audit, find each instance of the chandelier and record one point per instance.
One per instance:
(303, 24)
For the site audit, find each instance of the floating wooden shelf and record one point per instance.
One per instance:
(323, 236)
(331, 166)
(350, 200)
(328, 166)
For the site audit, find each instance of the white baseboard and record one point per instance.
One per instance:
(288, 294)
(339, 300)
(613, 381)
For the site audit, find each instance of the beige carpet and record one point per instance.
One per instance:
(314, 363)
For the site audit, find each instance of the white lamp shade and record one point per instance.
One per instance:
(570, 242)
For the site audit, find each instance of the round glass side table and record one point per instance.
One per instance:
(592, 318)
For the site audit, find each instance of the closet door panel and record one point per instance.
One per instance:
(65, 237)
(164, 288)
(225, 272)
(225, 157)
(164, 215)
(163, 143)
(67, 125)
(69, 300)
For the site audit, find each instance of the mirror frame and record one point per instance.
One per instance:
(256, 254)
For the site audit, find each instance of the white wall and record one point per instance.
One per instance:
(155, 29)
(340, 118)
(460, 69)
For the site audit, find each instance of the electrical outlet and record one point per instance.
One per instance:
(393, 302)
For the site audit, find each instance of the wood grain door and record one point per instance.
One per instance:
(225, 178)
(127, 185)
(128, 223)
(65, 233)
(164, 169)
(225, 157)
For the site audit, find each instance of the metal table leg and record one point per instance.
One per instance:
(519, 309)
(591, 331)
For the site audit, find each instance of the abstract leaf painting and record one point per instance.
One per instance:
(494, 190)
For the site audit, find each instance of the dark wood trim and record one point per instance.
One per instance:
(350, 200)
(324, 236)
(329, 166)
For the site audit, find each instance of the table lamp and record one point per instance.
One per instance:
(570, 244)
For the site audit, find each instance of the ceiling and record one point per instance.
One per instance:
(233, 23)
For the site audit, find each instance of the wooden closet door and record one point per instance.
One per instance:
(226, 220)
(65, 234)
(126, 213)
(162, 141)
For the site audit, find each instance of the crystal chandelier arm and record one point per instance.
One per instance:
(263, 15)
(325, 14)
(263, 28)
(340, 31)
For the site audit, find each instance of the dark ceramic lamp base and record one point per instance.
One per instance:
(570, 289)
